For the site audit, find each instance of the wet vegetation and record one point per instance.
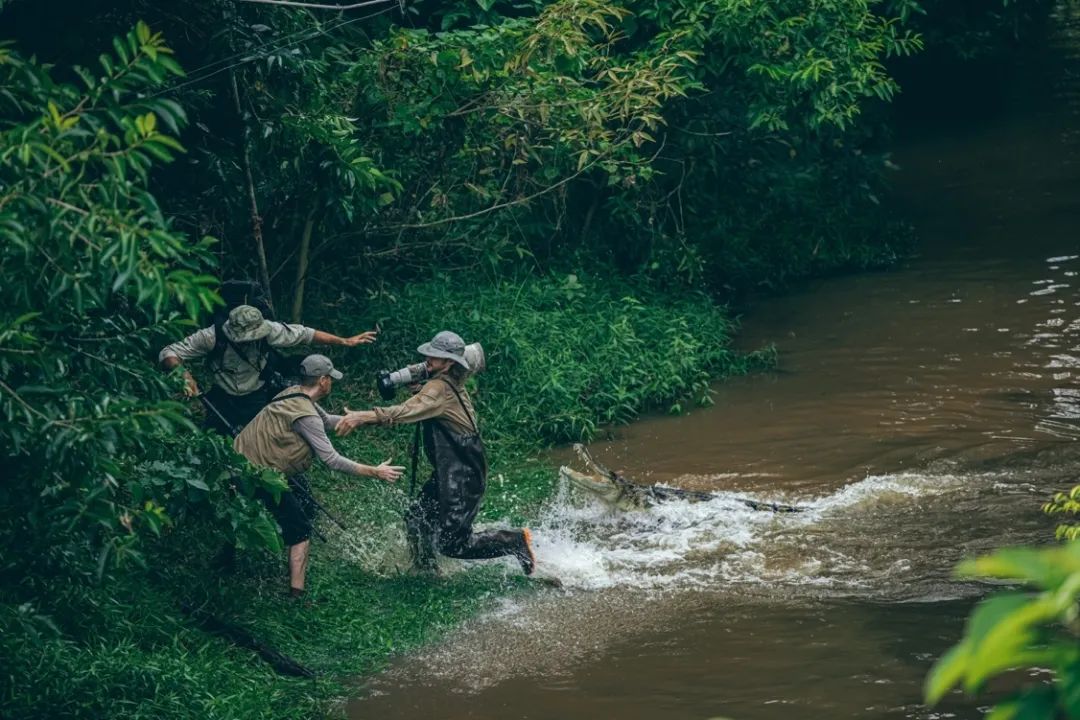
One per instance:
(583, 186)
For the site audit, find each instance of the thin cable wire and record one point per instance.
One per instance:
(284, 40)
(250, 56)
(275, 44)
(319, 6)
(264, 52)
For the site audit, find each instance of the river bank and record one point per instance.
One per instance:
(569, 353)
(924, 415)
(599, 352)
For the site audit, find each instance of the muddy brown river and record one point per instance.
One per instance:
(921, 415)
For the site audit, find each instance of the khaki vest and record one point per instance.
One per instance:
(269, 439)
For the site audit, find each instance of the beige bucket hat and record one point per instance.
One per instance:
(245, 324)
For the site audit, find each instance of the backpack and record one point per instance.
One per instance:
(280, 368)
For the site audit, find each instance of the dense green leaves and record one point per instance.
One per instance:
(94, 277)
(1067, 504)
(552, 377)
(636, 154)
(1014, 629)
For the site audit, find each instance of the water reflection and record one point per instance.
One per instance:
(1059, 339)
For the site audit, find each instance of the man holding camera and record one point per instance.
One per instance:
(441, 519)
(285, 436)
(239, 353)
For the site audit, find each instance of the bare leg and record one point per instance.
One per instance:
(298, 555)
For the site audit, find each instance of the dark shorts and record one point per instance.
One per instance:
(238, 410)
(295, 512)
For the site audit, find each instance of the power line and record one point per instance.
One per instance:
(318, 6)
(275, 44)
(264, 52)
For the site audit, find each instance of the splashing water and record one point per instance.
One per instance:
(682, 544)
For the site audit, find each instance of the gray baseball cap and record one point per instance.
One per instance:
(447, 345)
(245, 324)
(318, 366)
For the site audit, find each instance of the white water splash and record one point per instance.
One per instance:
(680, 544)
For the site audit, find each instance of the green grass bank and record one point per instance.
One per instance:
(566, 356)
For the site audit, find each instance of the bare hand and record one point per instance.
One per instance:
(389, 473)
(364, 338)
(191, 388)
(348, 423)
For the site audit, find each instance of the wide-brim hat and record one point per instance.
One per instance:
(447, 345)
(245, 324)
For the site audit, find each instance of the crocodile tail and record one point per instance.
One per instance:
(771, 507)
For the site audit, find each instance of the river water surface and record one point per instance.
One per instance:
(921, 415)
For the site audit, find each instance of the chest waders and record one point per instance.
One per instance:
(440, 520)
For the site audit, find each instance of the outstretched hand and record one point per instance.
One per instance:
(389, 473)
(349, 422)
(364, 338)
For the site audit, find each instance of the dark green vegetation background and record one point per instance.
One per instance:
(583, 186)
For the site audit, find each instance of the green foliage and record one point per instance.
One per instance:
(129, 652)
(1069, 505)
(634, 154)
(553, 377)
(94, 277)
(1021, 629)
(695, 141)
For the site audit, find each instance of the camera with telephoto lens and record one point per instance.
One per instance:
(388, 382)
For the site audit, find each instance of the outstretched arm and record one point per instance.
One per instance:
(314, 433)
(428, 403)
(325, 338)
(354, 419)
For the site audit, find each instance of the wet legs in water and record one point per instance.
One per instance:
(452, 536)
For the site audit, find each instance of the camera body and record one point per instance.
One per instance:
(389, 381)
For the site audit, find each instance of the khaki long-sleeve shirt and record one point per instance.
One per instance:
(239, 371)
(435, 400)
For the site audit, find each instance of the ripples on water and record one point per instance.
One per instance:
(922, 416)
(979, 440)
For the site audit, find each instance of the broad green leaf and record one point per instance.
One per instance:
(1033, 565)
(946, 672)
(198, 483)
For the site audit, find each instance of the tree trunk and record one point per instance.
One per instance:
(256, 218)
(302, 269)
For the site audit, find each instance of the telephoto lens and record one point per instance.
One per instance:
(389, 381)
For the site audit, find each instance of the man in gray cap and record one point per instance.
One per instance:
(286, 435)
(238, 352)
(441, 519)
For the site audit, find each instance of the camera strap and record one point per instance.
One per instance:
(461, 402)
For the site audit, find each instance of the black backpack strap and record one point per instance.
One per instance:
(290, 396)
(217, 353)
(221, 342)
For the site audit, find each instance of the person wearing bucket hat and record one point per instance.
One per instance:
(441, 519)
(241, 352)
(286, 436)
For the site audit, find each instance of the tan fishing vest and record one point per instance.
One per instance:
(269, 439)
